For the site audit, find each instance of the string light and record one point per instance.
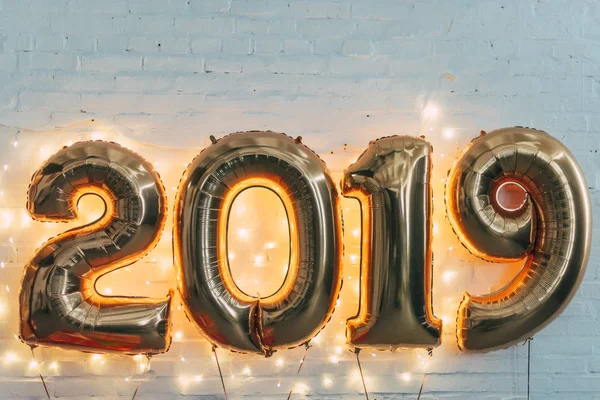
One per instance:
(243, 233)
(259, 260)
(326, 339)
(430, 111)
(10, 357)
(448, 276)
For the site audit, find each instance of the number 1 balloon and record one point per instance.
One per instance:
(391, 179)
(58, 301)
(551, 232)
(304, 303)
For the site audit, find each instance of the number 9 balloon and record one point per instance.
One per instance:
(551, 232)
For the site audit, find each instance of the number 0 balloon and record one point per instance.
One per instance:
(229, 317)
(551, 232)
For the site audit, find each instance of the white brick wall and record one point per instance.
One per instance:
(172, 72)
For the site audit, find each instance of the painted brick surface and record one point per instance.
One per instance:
(173, 72)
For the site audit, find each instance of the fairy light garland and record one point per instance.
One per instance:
(18, 231)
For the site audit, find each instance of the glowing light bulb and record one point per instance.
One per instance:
(448, 276)
(279, 362)
(356, 232)
(6, 167)
(448, 133)
(54, 365)
(353, 258)
(178, 335)
(430, 111)
(327, 381)
(243, 233)
(247, 371)
(15, 143)
(271, 245)
(10, 357)
(2, 264)
(108, 290)
(259, 260)
(333, 359)
(231, 256)
(33, 364)
(406, 377)
(198, 378)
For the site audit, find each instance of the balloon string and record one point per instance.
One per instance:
(40, 373)
(430, 352)
(362, 377)
(148, 357)
(214, 349)
(528, 365)
(307, 346)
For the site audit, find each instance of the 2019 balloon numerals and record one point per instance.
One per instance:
(550, 231)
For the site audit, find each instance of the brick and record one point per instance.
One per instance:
(319, 9)
(236, 46)
(297, 47)
(328, 28)
(108, 63)
(258, 8)
(47, 61)
(174, 64)
(297, 65)
(268, 46)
